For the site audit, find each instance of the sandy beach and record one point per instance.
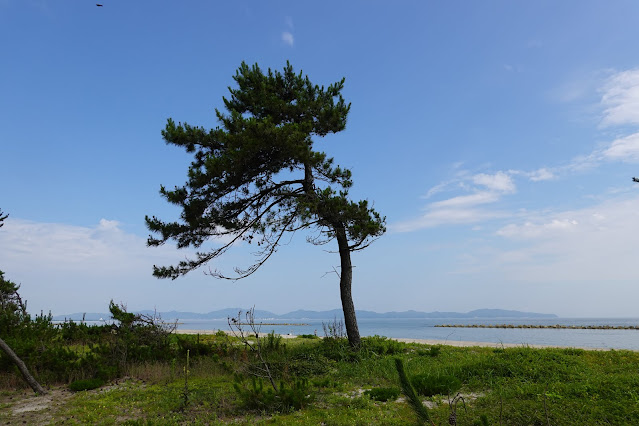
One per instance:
(464, 344)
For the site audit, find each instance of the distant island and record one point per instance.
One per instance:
(314, 315)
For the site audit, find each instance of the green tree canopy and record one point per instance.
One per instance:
(257, 178)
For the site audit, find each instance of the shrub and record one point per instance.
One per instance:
(360, 403)
(337, 349)
(382, 345)
(193, 345)
(435, 384)
(383, 394)
(433, 351)
(285, 399)
(308, 336)
(87, 384)
(273, 342)
(308, 364)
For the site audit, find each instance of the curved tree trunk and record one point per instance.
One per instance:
(23, 368)
(345, 281)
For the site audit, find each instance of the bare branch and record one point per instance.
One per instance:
(334, 271)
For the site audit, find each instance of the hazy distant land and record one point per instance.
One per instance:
(303, 314)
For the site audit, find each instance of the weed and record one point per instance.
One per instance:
(284, 399)
(308, 336)
(383, 394)
(382, 346)
(86, 384)
(432, 351)
(429, 384)
(185, 392)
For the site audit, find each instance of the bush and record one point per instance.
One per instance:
(435, 384)
(308, 336)
(273, 343)
(383, 394)
(338, 349)
(308, 364)
(283, 400)
(88, 384)
(193, 345)
(433, 351)
(382, 345)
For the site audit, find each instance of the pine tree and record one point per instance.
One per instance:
(257, 178)
(13, 313)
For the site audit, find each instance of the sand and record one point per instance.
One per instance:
(458, 343)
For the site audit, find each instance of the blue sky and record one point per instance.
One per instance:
(498, 138)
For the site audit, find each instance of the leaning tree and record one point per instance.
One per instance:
(257, 178)
(13, 311)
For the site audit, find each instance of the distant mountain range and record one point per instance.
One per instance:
(302, 314)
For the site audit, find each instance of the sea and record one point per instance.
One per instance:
(425, 329)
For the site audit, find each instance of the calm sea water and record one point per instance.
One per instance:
(425, 329)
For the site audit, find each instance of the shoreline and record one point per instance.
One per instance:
(432, 342)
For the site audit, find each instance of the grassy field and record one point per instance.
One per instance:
(321, 381)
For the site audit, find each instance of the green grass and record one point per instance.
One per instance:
(508, 386)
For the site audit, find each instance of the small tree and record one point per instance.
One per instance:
(257, 178)
(13, 313)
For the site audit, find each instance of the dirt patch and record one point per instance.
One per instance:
(28, 408)
(435, 401)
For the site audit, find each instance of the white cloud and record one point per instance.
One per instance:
(72, 268)
(594, 243)
(624, 149)
(67, 269)
(102, 248)
(620, 99)
(542, 230)
(499, 182)
(288, 38)
(462, 209)
(541, 175)
(464, 201)
(447, 216)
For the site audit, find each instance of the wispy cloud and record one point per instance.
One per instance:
(540, 175)
(464, 201)
(288, 38)
(620, 99)
(538, 230)
(624, 149)
(594, 243)
(92, 264)
(620, 104)
(499, 182)
(78, 248)
(463, 209)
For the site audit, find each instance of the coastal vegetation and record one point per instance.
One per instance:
(135, 372)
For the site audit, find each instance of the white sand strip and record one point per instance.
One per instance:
(458, 343)
(229, 332)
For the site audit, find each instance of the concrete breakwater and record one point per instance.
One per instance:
(556, 326)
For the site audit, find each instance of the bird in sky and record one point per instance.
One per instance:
(98, 5)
